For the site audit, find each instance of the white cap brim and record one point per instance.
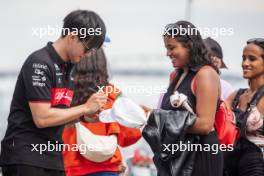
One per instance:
(125, 112)
(106, 116)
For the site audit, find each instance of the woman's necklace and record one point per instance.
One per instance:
(249, 95)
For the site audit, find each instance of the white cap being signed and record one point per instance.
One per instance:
(125, 112)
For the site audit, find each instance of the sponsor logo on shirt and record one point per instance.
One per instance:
(61, 96)
(57, 67)
(59, 80)
(43, 78)
(38, 72)
(36, 78)
(40, 66)
(39, 84)
(59, 74)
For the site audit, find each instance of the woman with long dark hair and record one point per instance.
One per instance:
(91, 75)
(197, 78)
(248, 156)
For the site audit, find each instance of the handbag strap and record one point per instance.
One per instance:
(176, 79)
(237, 97)
(257, 97)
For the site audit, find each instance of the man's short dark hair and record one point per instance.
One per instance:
(87, 25)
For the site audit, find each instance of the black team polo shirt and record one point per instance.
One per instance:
(44, 77)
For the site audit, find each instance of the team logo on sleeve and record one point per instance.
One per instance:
(61, 96)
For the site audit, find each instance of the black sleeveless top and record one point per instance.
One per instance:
(185, 88)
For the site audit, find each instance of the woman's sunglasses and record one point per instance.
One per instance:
(257, 41)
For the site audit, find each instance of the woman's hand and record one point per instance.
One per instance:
(146, 109)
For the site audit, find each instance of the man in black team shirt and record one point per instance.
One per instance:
(42, 96)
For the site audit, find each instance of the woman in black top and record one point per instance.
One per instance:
(248, 158)
(198, 79)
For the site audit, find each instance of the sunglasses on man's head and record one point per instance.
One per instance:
(86, 48)
(259, 41)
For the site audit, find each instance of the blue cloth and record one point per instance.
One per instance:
(103, 174)
(107, 39)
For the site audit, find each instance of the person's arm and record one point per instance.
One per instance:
(46, 116)
(39, 82)
(229, 100)
(207, 94)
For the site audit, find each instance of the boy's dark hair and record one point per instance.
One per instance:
(87, 25)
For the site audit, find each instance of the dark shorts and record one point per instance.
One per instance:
(26, 170)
